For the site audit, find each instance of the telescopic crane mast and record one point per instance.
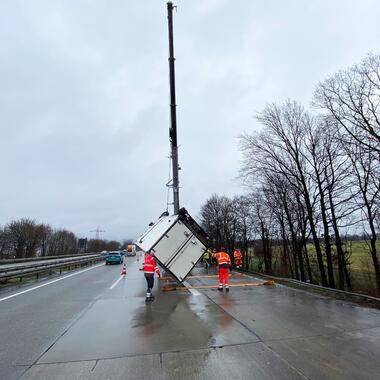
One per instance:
(173, 112)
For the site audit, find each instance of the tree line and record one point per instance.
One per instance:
(99, 245)
(312, 176)
(26, 238)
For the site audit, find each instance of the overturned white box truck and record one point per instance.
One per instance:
(177, 242)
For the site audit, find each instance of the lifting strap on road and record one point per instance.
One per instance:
(170, 289)
(205, 276)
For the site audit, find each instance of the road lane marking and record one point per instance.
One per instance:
(49, 283)
(194, 292)
(116, 282)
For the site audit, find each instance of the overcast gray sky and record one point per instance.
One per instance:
(84, 97)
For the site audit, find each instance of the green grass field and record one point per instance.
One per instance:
(359, 256)
(359, 259)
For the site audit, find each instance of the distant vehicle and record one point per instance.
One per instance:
(114, 258)
(131, 250)
(104, 253)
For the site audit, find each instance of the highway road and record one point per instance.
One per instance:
(93, 324)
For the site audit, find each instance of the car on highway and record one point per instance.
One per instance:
(114, 257)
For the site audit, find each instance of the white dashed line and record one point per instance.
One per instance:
(116, 282)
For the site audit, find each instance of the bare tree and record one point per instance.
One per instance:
(5, 251)
(352, 98)
(242, 209)
(62, 242)
(23, 237)
(44, 232)
(113, 245)
(316, 143)
(97, 245)
(341, 206)
(262, 218)
(365, 168)
(279, 149)
(214, 218)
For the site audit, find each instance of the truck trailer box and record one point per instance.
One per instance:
(177, 242)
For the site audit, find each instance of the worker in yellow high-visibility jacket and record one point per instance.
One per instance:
(206, 258)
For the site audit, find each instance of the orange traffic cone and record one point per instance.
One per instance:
(124, 270)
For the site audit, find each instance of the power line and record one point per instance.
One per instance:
(98, 231)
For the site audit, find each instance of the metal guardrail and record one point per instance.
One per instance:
(42, 258)
(355, 297)
(30, 269)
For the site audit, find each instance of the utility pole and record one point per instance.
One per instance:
(97, 231)
(173, 112)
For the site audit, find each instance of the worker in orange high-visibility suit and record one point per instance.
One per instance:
(238, 258)
(224, 263)
(149, 269)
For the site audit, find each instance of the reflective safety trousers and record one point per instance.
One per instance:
(223, 277)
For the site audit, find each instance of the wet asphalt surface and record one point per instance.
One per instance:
(89, 327)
